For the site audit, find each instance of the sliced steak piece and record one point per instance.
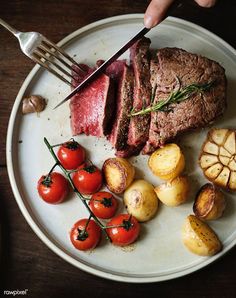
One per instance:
(124, 102)
(128, 151)
(123, 75)
(80, 73)
(197, 111)
(139, 125)
(114, 70)
(92, 107)
(154, 74)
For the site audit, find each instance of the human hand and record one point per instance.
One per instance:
(157, 9)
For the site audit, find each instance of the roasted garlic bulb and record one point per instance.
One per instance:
(218, 158)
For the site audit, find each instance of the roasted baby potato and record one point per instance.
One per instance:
(173, 192)
(167, 162)
(199, 238)
(218, 158)
(141, 200)
(209, 203)
(118, 173)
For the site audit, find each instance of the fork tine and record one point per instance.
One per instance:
(40, 54)
(37, 60)
(62, 52)
(54, 54)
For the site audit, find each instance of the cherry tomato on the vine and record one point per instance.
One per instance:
(53, 188)
(85, 235)
(71, 155)
(88, 180)
(103, 204)
(124, 229)
(83, 165)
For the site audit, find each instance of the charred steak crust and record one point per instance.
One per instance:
(139, 125)
(197, 111)
(154, 73)
(119, 133)
(129, 151)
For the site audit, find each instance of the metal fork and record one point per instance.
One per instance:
(46, 53)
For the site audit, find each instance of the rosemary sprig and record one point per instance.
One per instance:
(174, 97)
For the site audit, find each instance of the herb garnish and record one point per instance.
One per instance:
(175, 97)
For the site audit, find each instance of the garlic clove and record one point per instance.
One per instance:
(33, 103)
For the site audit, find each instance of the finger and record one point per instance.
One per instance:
(206, 3)
(155, 12)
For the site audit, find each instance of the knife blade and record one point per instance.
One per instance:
(103, 67)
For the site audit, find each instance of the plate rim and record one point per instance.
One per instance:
(10, 167)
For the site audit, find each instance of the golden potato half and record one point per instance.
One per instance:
(167, 162)
(141, 200)
(199, 238)
(118, 173)
(173, 192)
(218, 158)
(209, 203)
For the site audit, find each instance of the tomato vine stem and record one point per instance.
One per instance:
(83, 234)
(67, 174)
(47, 180)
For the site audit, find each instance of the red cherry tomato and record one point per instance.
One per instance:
(126, 234)
(88, 180)
(103, 204)
(71, 155)
(84, 239)
(83, 165)
(53, 188)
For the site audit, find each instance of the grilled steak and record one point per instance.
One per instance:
(92, 108)
(95, 112)
(139, 126)
(199, 110)
(119, 133)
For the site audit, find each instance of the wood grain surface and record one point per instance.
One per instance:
(26, 262)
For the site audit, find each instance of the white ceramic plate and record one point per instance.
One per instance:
(159, 254)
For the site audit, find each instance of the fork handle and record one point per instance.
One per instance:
(8, 27)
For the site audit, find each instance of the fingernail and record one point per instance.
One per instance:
(205, 3)
(148, 21)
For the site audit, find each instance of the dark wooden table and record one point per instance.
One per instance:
(26, 262)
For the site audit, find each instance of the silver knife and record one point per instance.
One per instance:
(101, 68)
